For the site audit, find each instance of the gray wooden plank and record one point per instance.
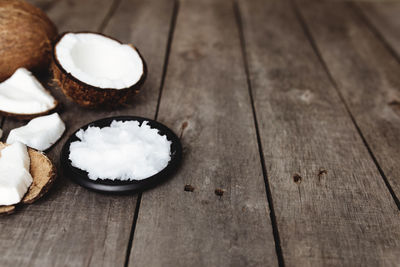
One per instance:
(386, 20)
(367, 75)
(73, 226)
(43, 4)
(72, 15)
(205, 99)
(331, 204)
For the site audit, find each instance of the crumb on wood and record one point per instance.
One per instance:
(395, 105)
(219, 192)
(189, 188)
(321, 172)
(297, 178)
(183, 127)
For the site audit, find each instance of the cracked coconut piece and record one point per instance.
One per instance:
(40, 133)
(43, 174)
(24, 97)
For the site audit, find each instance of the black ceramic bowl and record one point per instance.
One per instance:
(117, 186)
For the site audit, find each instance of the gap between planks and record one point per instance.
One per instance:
(375, 30)
(327, 255)
(164, 72)
(109, 15)
(275, 230)
(333, 81)
(182, 47)
(104, 20)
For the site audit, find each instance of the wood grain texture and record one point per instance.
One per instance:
(367, 75)
(386, 20)
(44, 5)
(72, 15)
(331, 204)
(73, 226)
(206, 101)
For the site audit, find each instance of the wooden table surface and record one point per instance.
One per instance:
(290, 107)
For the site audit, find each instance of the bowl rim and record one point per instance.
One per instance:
(117, 186)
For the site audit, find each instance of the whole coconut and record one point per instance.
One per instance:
(26, 37)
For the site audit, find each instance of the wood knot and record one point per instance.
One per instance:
(192, 55)
(297, 178)
(188, 188)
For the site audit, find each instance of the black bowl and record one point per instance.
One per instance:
(117, 186)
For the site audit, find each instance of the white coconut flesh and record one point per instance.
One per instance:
(40, 133)
(99, 61)
(121, 151)
(23, 94)
(15, 178)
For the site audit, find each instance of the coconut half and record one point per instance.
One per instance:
(23, 96)
(43, 175)
(95, 70)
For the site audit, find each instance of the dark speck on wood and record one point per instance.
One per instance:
(395, 105)
(219, 192)
(183, 127)
(297, 178)
(189, 188)
(321, 172)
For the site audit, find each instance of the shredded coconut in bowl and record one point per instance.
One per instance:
(122, 151)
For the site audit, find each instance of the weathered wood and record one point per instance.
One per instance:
(331, 204)
(386, 20)
(73, 226)
(367, 75)
(206, 101)
(44, 5)
(72, 15)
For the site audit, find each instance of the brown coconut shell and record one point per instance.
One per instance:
(43, 173)
(20, 116)
(7, 209)
(91, 96)
(29, 116)
(26, 37)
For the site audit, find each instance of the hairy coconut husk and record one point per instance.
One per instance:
(43, 173)
(26, 37)
(90, 96)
